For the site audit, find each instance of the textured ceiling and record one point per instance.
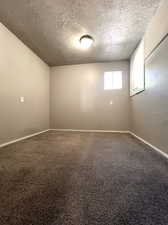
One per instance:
(52, 28)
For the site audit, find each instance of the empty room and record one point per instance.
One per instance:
(84, 112)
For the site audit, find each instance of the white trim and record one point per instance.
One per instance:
(96, 131)
(150, 145)
(23, 138)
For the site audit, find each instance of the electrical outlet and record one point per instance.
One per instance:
(22, 99)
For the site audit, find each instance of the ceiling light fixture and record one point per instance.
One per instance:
(86, 41)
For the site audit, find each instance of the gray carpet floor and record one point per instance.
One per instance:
(60, 178)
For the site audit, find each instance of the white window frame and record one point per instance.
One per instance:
(110, 82)
(137, 70)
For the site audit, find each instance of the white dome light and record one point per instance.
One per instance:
(86, 41)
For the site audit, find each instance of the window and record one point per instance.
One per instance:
(137, 72)
(112, 80)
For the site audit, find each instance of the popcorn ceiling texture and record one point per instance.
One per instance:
(52, 28)
(65, 178)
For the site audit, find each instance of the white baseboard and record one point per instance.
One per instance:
(113, 131)
(65, 130)
(96, 131)
(149, 144)
(23, 138)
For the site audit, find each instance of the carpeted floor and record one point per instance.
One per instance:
(60, 178)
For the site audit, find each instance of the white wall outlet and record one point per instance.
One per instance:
(22, 99)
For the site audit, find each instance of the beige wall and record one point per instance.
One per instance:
(22, 73)
(78, 100)
(149, 109)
